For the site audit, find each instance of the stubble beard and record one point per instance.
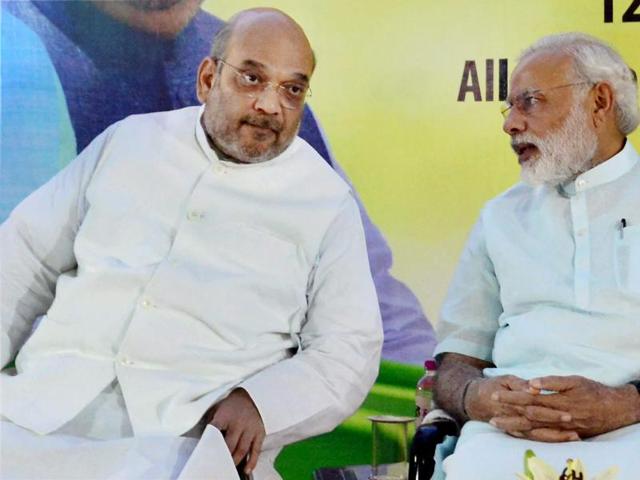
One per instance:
(226, 136)
(153, 5)
(563, 154)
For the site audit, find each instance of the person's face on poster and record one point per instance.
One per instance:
(153, 5)
(165, 18)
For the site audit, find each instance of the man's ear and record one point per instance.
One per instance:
(206, 77)
(603, 103)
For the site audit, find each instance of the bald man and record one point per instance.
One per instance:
(118, 58)
(200, 269)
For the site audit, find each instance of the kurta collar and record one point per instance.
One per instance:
(608, 171)
(201, 137)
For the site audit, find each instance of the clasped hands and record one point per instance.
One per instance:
(550, 409)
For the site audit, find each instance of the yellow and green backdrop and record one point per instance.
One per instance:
(386, 91)
(409, 94)
(423, 157)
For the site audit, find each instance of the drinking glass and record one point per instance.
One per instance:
(390, 454)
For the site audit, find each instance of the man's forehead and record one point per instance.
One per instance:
(272, 44)
(540, 71)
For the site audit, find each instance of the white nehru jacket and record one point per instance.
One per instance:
(183, 277)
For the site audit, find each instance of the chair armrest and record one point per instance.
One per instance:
(435, 427)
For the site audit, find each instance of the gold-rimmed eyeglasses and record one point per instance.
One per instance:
(251, 83)
(528, 102)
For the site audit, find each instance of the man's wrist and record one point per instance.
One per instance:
(464, 409)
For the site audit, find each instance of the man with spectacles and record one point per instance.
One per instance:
(199, 266)
(125, 57)
(539, 334)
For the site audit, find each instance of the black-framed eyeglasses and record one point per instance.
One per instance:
(251, 83)
(528, 102)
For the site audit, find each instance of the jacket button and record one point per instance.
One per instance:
(126, 361)
(194, 215)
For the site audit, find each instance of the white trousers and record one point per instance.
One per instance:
(485, 453)
(98, 444)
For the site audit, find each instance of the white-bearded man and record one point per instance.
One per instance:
(539, 333)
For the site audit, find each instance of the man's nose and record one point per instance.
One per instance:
(515, 122)
(268, 101)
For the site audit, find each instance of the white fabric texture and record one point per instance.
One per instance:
(27, 456)
(104, 418)
(182, 277)
(549, 284)
(98, 444)
(548, 281)
(485, 453)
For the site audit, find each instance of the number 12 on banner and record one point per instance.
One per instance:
(630, 15)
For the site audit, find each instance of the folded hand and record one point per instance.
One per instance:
(575, 408)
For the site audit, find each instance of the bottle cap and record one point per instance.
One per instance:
(430, 365)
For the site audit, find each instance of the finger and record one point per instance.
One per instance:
(219, 422)
(513, 398)
(231, 439)
(512, 382)
(554, 401)
(555, 383)
(256, 446)
(511, 424)
(242, 447)
(551, 435)
(546, 415)
(507, 410)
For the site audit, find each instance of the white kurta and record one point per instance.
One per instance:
(182, 277)
(549, 284)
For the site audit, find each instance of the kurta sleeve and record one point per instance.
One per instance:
(313, 391)
(36, 246)
(469, 317)
(408, 335)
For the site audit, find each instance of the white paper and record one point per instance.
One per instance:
(210, 460)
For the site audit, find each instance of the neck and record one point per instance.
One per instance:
(607, 148)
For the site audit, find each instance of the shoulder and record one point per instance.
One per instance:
(518, 192)
(520, 196)
(314, 170)
(172, 122)
(26, 12)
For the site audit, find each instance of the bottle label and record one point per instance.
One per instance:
(423, 405)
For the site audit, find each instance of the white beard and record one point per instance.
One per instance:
(564, 154)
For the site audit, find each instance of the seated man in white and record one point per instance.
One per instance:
(540, 333)
(197, 266)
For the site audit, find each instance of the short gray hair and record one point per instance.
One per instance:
(595, 61)
(221, 41)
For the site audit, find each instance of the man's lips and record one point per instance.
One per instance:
(524, 151)
(259, 127)
(263, 125)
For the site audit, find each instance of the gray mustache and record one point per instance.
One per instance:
(263, 122)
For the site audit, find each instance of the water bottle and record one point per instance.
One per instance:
(424, 391)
